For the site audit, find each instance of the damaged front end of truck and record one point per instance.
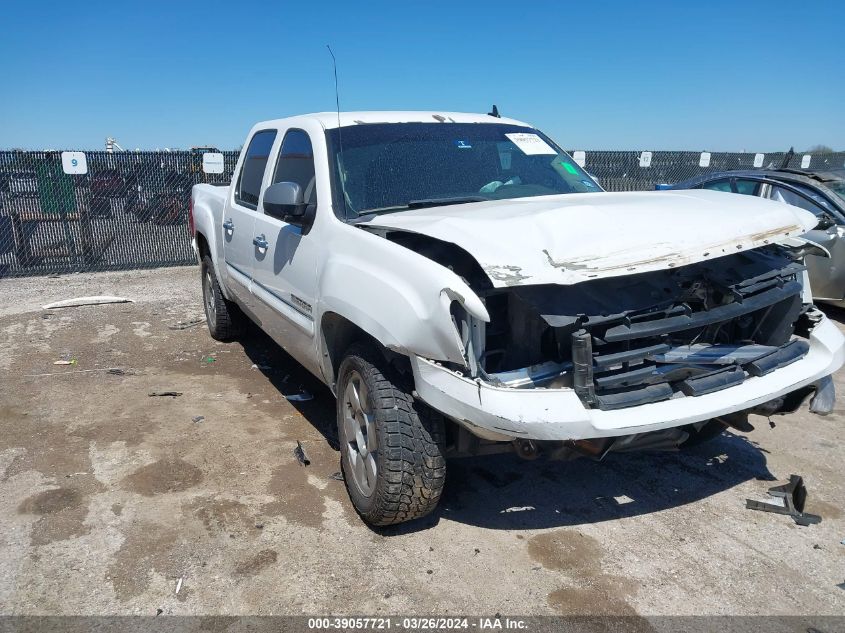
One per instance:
(641, 339)
(652, 356)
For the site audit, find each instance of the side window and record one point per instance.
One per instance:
(252, 171)
(296, 164)
(784, 195)
(747, 187)
(718, 185)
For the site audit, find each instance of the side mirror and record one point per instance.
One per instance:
(283, 200)
(825, 221)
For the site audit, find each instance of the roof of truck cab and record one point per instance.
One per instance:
(329, 120)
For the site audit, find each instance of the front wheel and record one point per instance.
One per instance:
(390, 446)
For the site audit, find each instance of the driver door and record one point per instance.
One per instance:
(285, 268)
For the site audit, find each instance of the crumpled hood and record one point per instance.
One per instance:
(566, 239)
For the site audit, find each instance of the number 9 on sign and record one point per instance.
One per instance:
(74, 163)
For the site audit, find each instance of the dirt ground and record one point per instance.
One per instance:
(113, 501)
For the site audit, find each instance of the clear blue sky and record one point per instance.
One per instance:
(718, 75)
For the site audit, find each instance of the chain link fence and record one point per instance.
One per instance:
(641, 171)
(130, 210)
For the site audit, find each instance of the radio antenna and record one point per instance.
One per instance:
(339, 131)
(336, 92)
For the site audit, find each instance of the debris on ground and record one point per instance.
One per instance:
(165, 393)
(302, 396)
(209, 359)
(159, 611)
(338, 476)
(179, 585)
(787, 499)
(299, 453)
(184, 325)
(259, 526)
(112, 370)
(76, 371)
(198, 418)
(65, 362)
(260, 366)
(86, 301)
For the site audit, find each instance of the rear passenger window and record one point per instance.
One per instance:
(296, 164)
(252, 171)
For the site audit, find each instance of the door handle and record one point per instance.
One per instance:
(260, 241)
(229, 225)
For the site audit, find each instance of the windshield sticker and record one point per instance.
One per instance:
(530, 144)
(463, 145)
(570, 168)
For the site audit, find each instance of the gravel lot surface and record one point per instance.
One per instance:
(113, 501)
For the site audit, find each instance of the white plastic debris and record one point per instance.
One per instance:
(86, 301)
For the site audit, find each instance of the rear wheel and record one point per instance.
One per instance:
(224, 318)
(390, 446)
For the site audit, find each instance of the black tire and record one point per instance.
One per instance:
(710, 431)
(223, 317)
(410, 467)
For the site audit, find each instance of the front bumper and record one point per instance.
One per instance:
(501, 413)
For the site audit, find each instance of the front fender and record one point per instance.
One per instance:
(397, 296)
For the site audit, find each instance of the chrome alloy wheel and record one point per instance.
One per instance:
(359, 429)
(208, 294)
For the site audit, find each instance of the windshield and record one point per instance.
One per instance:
(389, 167)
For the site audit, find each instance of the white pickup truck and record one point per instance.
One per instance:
(464, 287)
